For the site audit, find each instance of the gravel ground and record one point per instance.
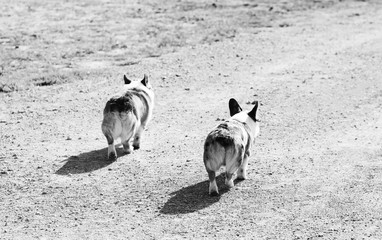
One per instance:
(315, 171)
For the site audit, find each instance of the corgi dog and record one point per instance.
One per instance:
(229, 144)
(126, 115)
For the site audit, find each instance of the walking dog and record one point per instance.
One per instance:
(126, 115)
(229, 144)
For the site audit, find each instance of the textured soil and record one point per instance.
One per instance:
(315, 66)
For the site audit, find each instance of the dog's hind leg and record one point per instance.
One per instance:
(107, 127)
(211, 170)
(129, 124)
(242, 172)
(213, 159)
(229, 179)
(137, 137)
(213, 188)
(233, 161)
(125, 139)
(111, 153)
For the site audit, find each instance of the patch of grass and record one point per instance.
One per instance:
(57, 78)
(49, 80)
(128, 63)
(219, 35)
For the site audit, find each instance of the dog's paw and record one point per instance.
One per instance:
(213, 189)
(241, 177)
(127, 150)
(241, 174)
(112, 157)
(214, 194)
(229, 183)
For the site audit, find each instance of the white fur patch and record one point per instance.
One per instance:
(229, 183)
(244, 118)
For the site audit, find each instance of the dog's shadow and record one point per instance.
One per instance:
(87, 162)
(193, 198)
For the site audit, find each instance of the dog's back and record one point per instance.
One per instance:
(132, 101)
(120, 104)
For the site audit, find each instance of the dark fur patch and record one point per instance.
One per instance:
(234, 107)
(223, 126)
(225, 141)
(223, 135)
(145, 80)
(126, 80)
(252, 113)
(121, 104)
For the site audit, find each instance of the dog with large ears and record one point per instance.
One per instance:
(229, 144)
(127, 114)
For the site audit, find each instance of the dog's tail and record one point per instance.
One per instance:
(114, 123)
(222, 151)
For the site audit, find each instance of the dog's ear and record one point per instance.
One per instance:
(234, 107)
(127, 81)
(145, 80)
(252, 113)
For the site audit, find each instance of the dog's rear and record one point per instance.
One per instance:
(222, 148)
(119, 121)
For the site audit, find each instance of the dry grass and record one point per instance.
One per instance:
(39, 39)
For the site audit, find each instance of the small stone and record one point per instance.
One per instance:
(6, 89)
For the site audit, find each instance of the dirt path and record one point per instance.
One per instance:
(316, 170)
